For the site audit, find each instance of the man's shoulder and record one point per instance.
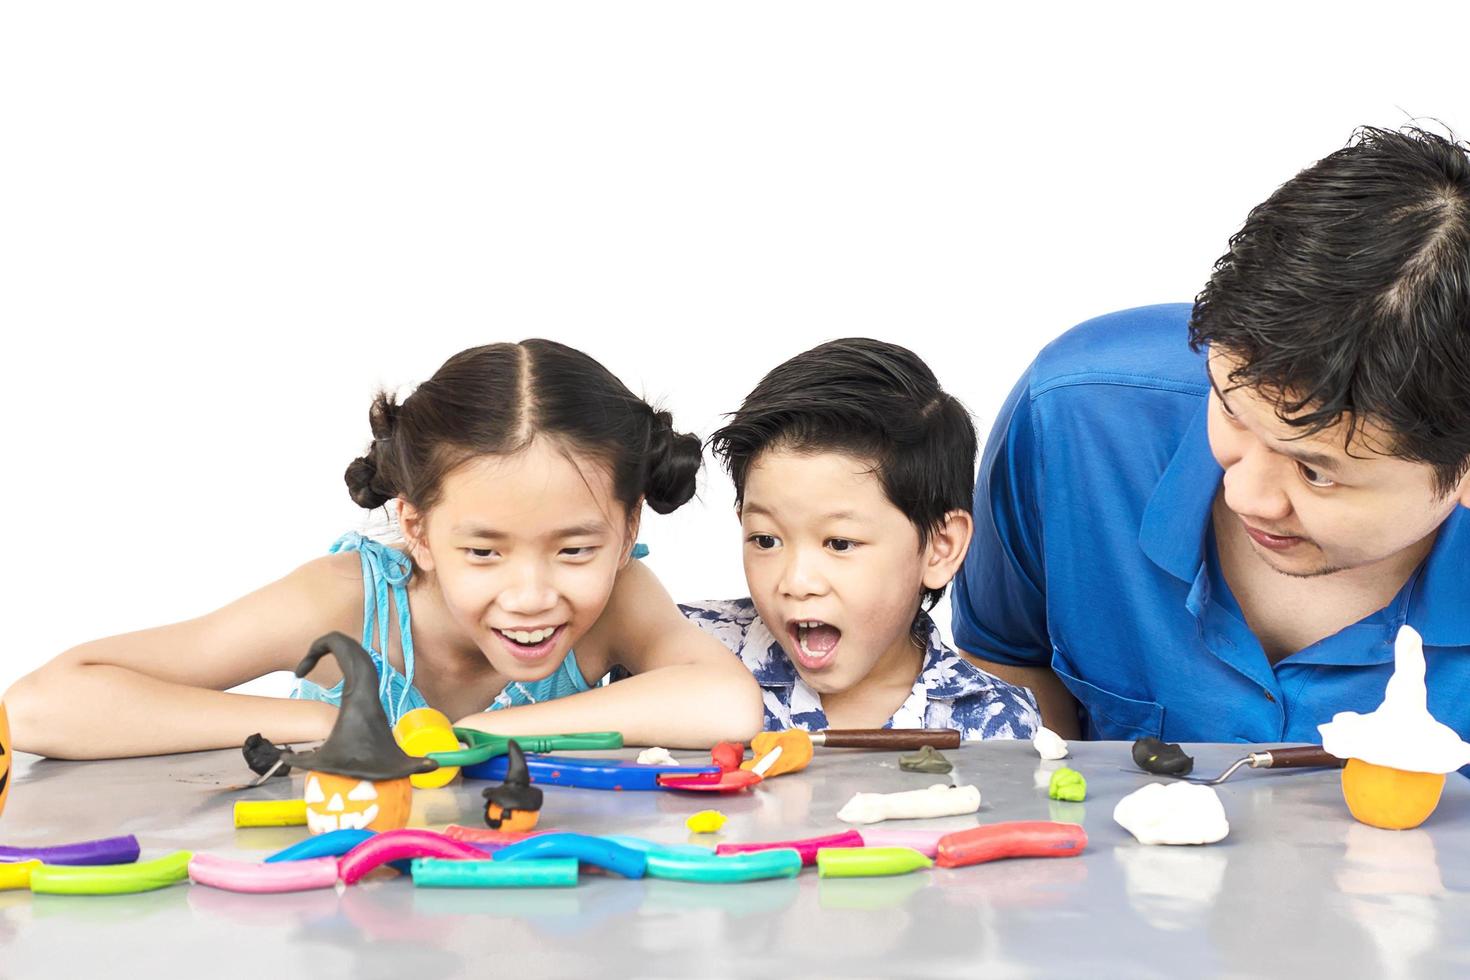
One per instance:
(1145, 347)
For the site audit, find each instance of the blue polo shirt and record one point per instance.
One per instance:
(1094, 555)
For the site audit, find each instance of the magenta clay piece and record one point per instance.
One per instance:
(926, 842)
(396, 845)
(807, 848)
(255, 878)
(484, 835)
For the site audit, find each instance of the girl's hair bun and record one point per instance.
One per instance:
(367, 484)
(674, 459)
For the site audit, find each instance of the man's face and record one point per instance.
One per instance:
(1308, 505)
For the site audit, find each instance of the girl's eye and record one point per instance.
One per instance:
(765, 542)
(585, 551)
(1313, 477)
(481, 552)
(841, 545)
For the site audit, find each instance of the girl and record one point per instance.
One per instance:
(519, 472)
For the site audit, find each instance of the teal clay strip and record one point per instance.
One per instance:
(755, 866)
(112, 879)
(869, 862)
(534, 873)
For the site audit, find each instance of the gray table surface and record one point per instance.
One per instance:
(1297, 889)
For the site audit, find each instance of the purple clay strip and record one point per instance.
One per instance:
(926, 842)
(109, 850)
(806, 848)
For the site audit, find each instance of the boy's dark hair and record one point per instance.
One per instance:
(1347, 294)
(877, 401)
(495, 400)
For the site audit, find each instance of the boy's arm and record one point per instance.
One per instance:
(161, 690)
(998, 600)
(687, 690)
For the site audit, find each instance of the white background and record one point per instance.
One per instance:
(222, 227)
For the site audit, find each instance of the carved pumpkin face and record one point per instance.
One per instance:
(340, 802)
(5, 751)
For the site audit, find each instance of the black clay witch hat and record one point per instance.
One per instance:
(516, 793)
(361, 744)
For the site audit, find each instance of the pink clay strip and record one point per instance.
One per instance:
(926, 842)
(255, 878)
(807, 848)
(395, 845)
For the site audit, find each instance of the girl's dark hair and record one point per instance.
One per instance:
(1347, 295)
(497, 399)
(870, 399)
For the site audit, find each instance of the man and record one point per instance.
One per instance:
(1208, 523)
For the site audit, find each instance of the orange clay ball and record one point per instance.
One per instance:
(1393, 799)
(796, 751)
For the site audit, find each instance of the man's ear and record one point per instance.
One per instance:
(414, 525)
(635, 521)
(1463, 494)
(948, 542)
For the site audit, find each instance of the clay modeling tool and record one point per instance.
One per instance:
(1299, 757)
(793, 745)
(562, 770)
(732, 781)
(869, 862)
(482, 746)
(887, 738)
(1018, 838)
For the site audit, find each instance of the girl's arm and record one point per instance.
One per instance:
(161, 690)
(687, 690)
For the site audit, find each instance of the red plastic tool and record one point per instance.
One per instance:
(722, 782)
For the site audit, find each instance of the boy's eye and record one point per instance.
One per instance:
(1313, 477)
(764, 542)
(841, 545)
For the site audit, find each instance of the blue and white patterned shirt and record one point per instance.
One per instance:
(950, 692)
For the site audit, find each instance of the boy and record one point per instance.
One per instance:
(852, 472)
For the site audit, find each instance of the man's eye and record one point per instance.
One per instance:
(841, 545)
(1313, 477)
(764, 542)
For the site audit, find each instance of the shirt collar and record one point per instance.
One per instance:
(1172, 533)
(1437, 606)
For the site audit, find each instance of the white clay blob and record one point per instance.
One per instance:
(1173, 813)
(1049, 745)
(939, 800)
(656, 756)
(1401, 734)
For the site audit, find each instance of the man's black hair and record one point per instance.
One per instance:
(1347, 295)
(872, 400)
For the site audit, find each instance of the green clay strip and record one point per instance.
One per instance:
(112, 879)
(531, 873)
(755, 866)
(869, 862)
(17, 875)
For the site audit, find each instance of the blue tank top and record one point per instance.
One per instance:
(385, 575)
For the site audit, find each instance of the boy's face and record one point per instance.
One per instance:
(825, 546)
(1307, 506)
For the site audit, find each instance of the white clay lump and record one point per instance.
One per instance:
(1173, 813)
(1049, 745)
(656, 756)
(939, 800)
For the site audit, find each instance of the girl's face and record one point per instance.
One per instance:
(525, 549)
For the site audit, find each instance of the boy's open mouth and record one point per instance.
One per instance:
(530, 644)
(815, 642)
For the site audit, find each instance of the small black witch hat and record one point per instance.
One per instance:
(516, 793)
(361, 744)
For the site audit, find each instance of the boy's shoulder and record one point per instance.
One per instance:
(736, 624)
(952, 692)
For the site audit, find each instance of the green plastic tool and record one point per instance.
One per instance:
(482, 746)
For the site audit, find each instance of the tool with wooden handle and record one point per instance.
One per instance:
(1298, 757)
(887, 738)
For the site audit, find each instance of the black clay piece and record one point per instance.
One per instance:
(516, 793)
(927, 759)
(360, 745)
(1162, 758)
(261, 755)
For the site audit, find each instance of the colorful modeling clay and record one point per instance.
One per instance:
(796, 751)
(359, 777)
(515, 804)
(1161, 758)
(1398, 755)
(16, 875)
(939, 800)
(757, 866)
(108, 850)
(254, 878)
(5, 753)
(562, 770)
(263, 757)
(705, 822)
(625, 861)
(540, 873)
(869, 862)
(649, 846)
(395, 845)
(270, 813)
(483, 835)
(1049, 745)
(656, 756)
(928, 759)
(424, 730)
(1067, 784)
(334, 843)
(806, 847)
(727, 755)
(1173, 813)
(1019, 838)
(926, 842)
(112, 879)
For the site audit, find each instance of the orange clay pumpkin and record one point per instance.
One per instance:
(1393, 799)
(5, 751)
(796, 751)
(339, 802)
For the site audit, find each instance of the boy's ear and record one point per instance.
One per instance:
(948, 542)
(413, 523)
